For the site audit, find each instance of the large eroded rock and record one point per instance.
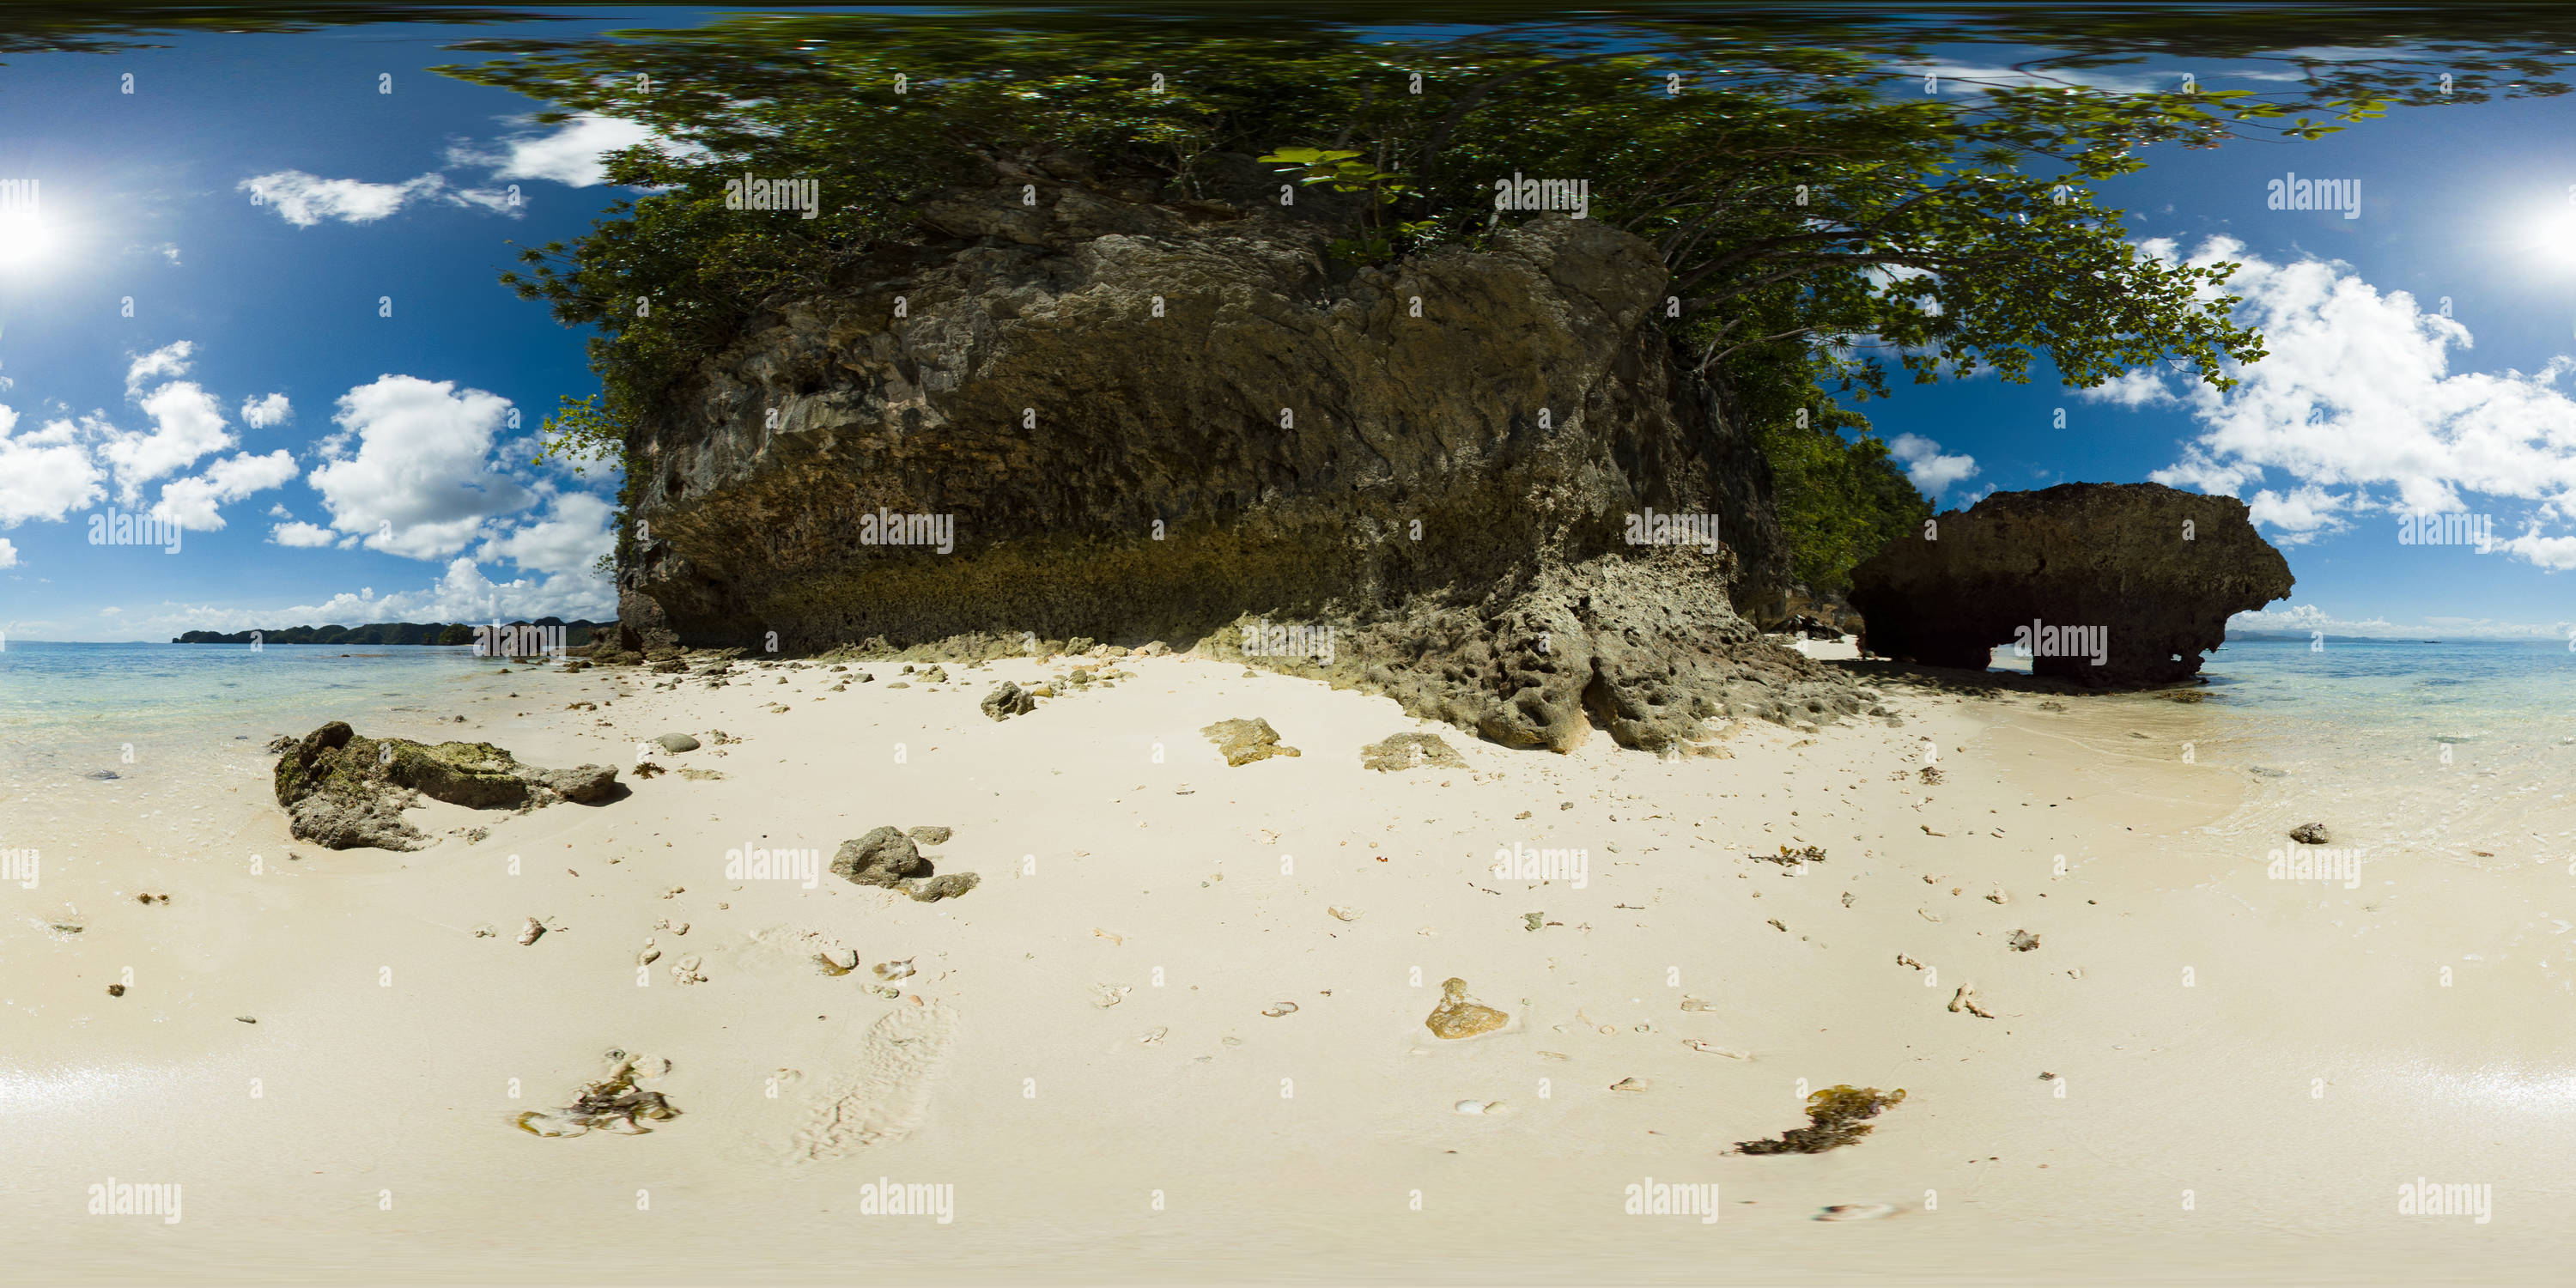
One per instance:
(1131, 418)
(342, 790)
(2138, 575)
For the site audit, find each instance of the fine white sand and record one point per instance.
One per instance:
(2247, 1069)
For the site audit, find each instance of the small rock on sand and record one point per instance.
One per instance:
(883, 857)
(2023, 941)
(1245, 741)
(1008, 700)
(2311, 834)
(1456, 1017)
(676, 742)
(945, 886)
(530, 933)
(1405, 750)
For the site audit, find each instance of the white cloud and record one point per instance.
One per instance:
(43, 476)
(571, 154)
(167, 362)
(1927, 467)
(187, 424)
(305, 200)
(2132, 389)
(2557, 554)
(570, 540)
(2357, 406)
(421, 482)
(462, 594)
(192, 502)
(2310, 617)
(305, 535)
(262, 412)
(2300, 517)
(8, 553)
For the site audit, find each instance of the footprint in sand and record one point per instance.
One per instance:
(880, 1095)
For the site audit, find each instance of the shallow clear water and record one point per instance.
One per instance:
(85, 706)
(2451, 748)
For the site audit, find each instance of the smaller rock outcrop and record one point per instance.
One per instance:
(883, 857)
(2107, 585)
(1009, 700)
(1245, 741)
(1457, 1017)
(342, 791)
(1402, 751)
(889, 858)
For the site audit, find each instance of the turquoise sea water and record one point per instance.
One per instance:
(85, 707)
(2450, 748)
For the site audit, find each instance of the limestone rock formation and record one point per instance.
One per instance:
(1457, 1017)
(342, 791)
(2110, 585)
(883, 857)
(1125, 416)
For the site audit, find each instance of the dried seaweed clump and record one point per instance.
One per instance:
(1789, 858)
(1835, 1117)
(612, 1104)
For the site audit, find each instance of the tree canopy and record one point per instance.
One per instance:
(1830, 210)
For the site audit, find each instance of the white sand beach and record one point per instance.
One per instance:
(2195, 1067)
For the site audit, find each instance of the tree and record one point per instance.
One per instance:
(1821, 215)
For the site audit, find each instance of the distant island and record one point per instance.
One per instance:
(575, 633)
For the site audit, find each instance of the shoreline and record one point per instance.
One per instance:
(1096, 871)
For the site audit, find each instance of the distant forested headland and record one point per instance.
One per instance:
(576, 633)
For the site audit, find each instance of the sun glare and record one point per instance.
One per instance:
(26, 239)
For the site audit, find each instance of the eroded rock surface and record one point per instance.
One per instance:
(1456, 1017)
(1123, 416)
(2140, 576)
(342, 790)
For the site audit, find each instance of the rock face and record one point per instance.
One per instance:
(2109, 584)
(343, 791)
(1127, 417)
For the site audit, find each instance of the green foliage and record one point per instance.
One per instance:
(1823, 219)
(580, 434)
(1839, 500)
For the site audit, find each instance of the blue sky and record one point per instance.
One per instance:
(330, 464)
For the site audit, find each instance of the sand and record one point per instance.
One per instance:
(2245, 1069)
